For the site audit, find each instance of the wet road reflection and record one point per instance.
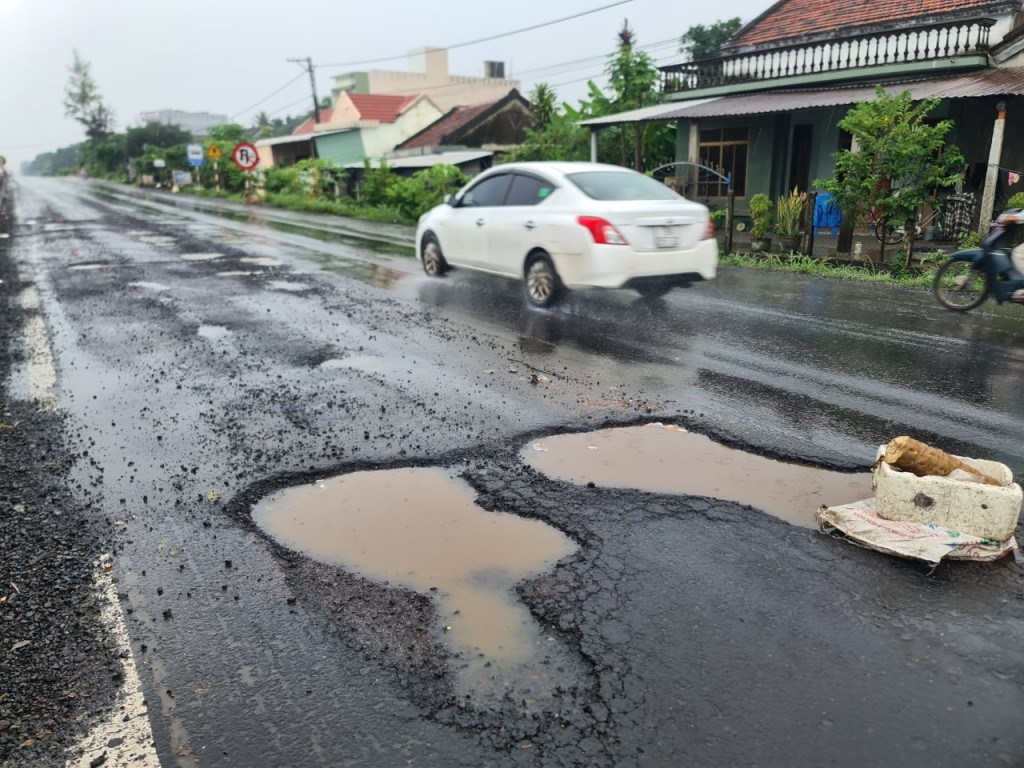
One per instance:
(817, 367)
(833, 366)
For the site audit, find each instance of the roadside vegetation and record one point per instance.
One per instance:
(899, 148)
(867, 272)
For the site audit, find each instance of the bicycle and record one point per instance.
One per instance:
(892, 235)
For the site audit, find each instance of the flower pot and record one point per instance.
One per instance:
(789, 243)
(759, 244)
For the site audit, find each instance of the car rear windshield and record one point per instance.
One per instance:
(620, 185)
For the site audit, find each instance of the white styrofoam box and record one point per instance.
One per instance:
(983, 510)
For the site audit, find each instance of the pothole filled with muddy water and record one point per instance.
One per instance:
(420, 528)
(665, 458)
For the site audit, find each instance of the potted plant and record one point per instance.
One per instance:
(789, 214)
(760, 223)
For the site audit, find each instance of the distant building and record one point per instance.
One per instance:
(428, 74)
(497, 126)
(357, 126)
(196, 123)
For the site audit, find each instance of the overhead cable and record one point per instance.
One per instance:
(483, 39)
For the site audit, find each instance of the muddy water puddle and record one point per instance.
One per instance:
(667, 459)
(421, 529)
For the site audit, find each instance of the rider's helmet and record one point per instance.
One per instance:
(1004, 228)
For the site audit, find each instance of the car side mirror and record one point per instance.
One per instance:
(452, 199)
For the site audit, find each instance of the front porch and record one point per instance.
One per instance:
(773, 141)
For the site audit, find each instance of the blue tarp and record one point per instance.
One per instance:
(826, 213)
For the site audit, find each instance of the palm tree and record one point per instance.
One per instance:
(263, 127)
(542, 104)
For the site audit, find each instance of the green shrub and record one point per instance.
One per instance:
(968, 240)
(789, 212)
(760, 216)
(281, 180)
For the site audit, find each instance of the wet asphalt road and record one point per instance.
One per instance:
(684, 630)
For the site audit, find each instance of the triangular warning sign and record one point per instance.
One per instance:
(214, 152)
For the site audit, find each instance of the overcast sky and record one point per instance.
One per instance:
(224, 57)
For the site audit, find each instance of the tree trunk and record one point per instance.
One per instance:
(844, 243)
(638, 146)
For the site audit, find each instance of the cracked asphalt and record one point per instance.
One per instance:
(207, 355)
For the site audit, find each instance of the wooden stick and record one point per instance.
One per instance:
(911, 455)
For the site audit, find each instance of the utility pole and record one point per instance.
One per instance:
(995, 153)
(307, 63)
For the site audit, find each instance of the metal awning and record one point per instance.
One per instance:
(993, 82)
(427, 161)
(659, 112)
(293, 138)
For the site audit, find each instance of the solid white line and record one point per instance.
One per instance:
(127, 727)
(42, 375)
(125, 737)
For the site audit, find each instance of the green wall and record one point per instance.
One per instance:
(342, 148)
(769, 151)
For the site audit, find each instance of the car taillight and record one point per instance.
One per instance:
(603, 232)
(710, 233)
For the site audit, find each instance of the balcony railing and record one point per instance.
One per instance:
(925, 43)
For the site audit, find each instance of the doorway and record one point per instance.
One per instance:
(800, 158)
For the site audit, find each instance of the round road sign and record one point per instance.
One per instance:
(245, 156)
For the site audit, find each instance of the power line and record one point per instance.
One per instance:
(484, 39)
(286, 106)
(558, 68)
(267, 98)
(568, 66)
(537, 72)
(660, 62)
(531, 74)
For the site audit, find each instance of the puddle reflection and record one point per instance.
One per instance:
(667, 460)
(421, 529)
(213, 332)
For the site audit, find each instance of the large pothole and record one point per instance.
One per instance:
(667, 459)
(420, 528)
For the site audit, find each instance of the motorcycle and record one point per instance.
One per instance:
(970, 276)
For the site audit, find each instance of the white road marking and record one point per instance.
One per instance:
(125, 736)
(42, 376)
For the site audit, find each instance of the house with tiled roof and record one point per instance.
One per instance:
(358, 126)
(496, 125)
(764, 113)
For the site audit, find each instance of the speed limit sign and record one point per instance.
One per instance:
(245, 156)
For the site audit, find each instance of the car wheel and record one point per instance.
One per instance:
(543, 286)
(433, 260)
(653, 290)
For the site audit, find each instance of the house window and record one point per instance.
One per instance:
(724, 150)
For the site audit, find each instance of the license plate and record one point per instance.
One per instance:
(666, 241)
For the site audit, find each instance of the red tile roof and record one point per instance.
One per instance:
(789, 19)
(434, 134)
(307, 126)
(386, 109)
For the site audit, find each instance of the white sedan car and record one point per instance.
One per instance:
(560, 225)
